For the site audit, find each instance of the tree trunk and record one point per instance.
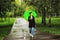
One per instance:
(43, 16)
(49, 24)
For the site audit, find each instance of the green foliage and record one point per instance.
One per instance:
(52, 6)
(7, 22)
(5, 27)
(4, 32)
(8, 14)
(5, 4)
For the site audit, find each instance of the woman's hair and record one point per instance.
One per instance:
(30, 12)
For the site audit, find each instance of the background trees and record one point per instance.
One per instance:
(4, 6)
(44, 8)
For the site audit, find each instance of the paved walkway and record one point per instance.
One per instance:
(19, 31)
(45, 36)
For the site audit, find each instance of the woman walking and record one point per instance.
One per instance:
(31, 20)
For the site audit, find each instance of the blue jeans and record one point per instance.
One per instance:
(32, 30)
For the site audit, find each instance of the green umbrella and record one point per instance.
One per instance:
(26, 13)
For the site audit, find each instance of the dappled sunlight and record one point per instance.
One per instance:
(18, 2)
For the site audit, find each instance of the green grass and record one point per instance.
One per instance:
(4, 32)
(52, 30)
(5, 27)
(8, 22)
(55, 25)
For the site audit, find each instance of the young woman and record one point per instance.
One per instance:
(31, 20)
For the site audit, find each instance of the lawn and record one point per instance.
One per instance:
(55, 25)
(7, 22)
(5, 26)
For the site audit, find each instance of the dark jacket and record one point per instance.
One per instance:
(31, 21)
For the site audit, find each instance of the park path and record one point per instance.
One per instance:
(20, 31)
(45, 36)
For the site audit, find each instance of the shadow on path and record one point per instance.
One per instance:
(45, 36)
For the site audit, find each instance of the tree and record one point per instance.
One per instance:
(56, 6)
(43, 16)
(4, 5)
(46, 8)
(39, 5)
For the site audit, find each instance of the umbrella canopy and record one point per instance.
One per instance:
(27, 13)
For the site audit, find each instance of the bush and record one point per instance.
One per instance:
(7, 23)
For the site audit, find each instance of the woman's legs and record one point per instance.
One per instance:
(32, 31)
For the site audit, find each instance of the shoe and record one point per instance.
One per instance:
(24, 38)
(31, 35)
